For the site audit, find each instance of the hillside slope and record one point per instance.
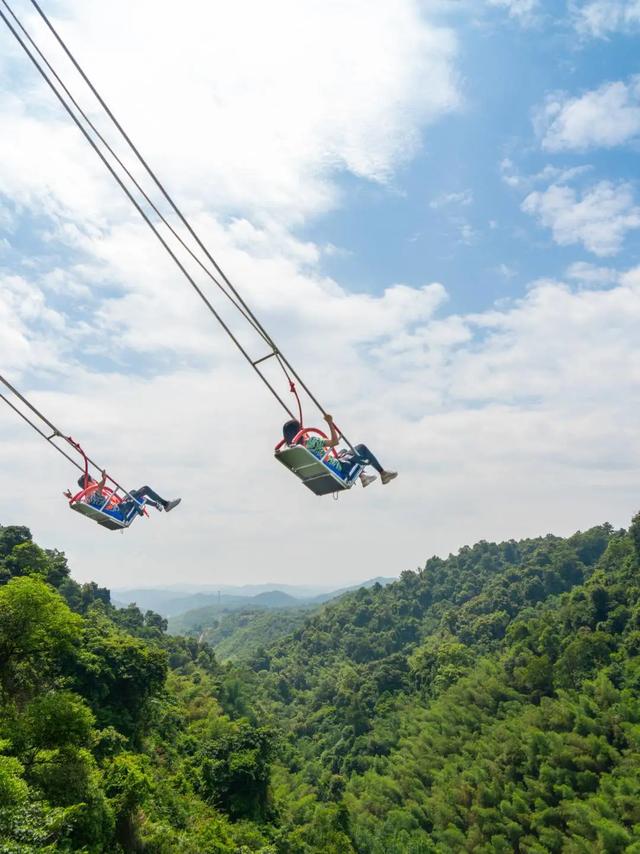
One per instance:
(489, 703)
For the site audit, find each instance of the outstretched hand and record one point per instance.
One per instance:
(67, 494)
(328, 418)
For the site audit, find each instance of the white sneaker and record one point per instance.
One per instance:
(386, 476)
(366, 479)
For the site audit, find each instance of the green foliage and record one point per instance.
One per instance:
(485, 703)
(13, 789)
(97, 745)
(438, 663)
(489, 702)
(231, 767)
(38, 633)
(119, 675)
(243, 634)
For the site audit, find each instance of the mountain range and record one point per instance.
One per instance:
(172, 601)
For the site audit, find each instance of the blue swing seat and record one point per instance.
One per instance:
(107, 516)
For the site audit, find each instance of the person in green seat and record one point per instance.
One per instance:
(345, 460)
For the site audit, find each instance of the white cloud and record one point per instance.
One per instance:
(603, 117)
(450, 203)
(599, 219)
(490, 418)
(589, 275)
(517, 180)
(259, 117)
(506, 271)
(31, 330)
(7, 220)
(468, 234)
(601, 18)
(521, 10)
(463, 198)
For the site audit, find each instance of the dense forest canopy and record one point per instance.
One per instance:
(489, 702)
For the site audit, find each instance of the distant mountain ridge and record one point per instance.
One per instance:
(172, 602)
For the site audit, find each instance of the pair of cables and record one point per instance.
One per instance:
(149, 210)
(50, 433)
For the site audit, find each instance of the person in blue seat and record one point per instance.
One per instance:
(345, 460)
(97, 497)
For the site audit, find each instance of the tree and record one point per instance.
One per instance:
(38, 633)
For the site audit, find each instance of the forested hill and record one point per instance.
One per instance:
(489, 702)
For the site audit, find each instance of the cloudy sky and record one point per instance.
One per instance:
(434, 207)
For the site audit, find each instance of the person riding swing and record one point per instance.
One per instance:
(140, 497)
(344, 461)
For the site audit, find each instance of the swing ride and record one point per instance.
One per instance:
(314, 469)
(112, 507)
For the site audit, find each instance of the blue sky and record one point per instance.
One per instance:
(433, 207)
(506, 71)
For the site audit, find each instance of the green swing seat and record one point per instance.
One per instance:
(316, 474)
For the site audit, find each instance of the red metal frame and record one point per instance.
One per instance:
(89, 490)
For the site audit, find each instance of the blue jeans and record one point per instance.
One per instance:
(144, 492)
(363, 456)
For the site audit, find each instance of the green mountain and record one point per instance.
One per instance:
(240, 632)
(244, 635)
(172, 603)
(154, 597)
(372, 582)
(489, 702)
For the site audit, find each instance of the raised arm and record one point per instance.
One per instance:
(334, 439)
(103, 480)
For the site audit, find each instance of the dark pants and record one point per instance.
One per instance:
(144, 492)
(363, 456)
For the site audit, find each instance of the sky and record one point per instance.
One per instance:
(434, 209)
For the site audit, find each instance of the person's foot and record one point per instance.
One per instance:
(386, 476)
(171, 504)
(366, 479)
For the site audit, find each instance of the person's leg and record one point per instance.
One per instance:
(154, 499)
(151, 496)
(147, 492)
(367, 458)
(125, 507)
(136, 501)
(359, 455)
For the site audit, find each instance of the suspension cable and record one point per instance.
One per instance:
(257, 324)
(55, 433)
(41, 432)
(139, 208)
(132, 178)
